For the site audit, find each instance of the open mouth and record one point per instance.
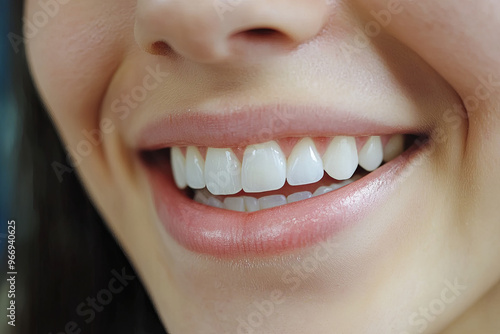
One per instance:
(221, 188)
(275, 173)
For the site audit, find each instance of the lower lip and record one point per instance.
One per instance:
(227, 234)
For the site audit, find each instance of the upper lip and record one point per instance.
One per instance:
(249, 125)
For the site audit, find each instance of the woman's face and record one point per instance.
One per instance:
(273, 98)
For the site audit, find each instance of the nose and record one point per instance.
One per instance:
(212, 31)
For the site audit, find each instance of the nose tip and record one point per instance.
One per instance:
(205, 32)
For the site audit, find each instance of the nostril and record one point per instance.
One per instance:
(160, 48)
(262, 32)
(262, 35)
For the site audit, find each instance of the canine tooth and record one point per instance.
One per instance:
(222, 171)
(234, 203)
(394, 147)
(341, 158)
(251, 204)
(371, 155)
(212, 201)
(264, 167)
(178, 163)
(200, 197)
(268, 202)
(322, 190)
(195, 168)
(304, 164)
(298, 196)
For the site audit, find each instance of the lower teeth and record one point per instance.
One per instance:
(252, 204)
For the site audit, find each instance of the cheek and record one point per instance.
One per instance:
(73, 58)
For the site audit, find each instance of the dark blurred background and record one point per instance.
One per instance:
(8, 125)
(64, 252)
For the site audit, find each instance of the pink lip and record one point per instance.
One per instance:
(232, 128)
(224, 233)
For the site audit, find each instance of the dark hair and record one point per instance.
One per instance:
(64, 252)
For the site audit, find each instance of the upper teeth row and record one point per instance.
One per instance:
(266, 168)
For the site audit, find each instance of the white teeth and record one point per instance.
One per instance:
(201, 198)
(251, 204)
(298, 196)
(235, 204)
(394, 147)
(322, 191)
(195, 168)
(371, 155)
(212, 201)
(272, 201)
(341, 158)
(178, 167)
(264, 167)
(304, 164)
(222, 172)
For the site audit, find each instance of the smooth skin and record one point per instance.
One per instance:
(389, 271)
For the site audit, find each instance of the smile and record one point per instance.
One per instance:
(268, 197)
(265, 168)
